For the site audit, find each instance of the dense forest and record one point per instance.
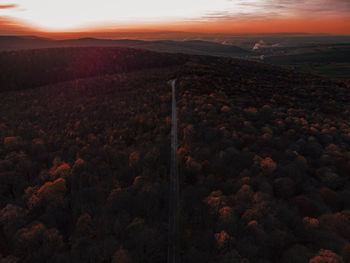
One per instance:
(265, 164)
(264, 159)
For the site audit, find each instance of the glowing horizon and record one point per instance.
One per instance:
(326, 16)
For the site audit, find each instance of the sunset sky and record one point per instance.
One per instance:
(220, 16)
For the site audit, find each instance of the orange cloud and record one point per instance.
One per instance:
(8, 6)
(10, 26)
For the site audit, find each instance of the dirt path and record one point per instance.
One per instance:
(173, 242)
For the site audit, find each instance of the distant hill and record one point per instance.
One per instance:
(191, 47)
(332, 61)
(323, 55)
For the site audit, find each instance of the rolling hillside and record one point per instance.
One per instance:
(198, 47)
(263, 159)
(331, 61)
